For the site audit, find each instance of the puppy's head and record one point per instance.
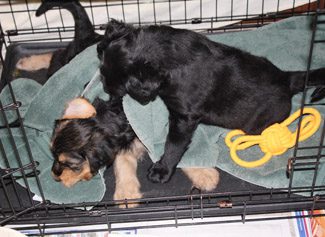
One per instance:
(79, 145)
(124, 70)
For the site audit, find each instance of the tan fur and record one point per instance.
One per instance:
(125, 169)
(62, 158)
(69, 178)
(205, 179)
(79, 108)
(34, 62)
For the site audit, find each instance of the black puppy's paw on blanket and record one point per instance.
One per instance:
(159, 173)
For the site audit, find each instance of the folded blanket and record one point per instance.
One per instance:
(40, 107)
(286, 44)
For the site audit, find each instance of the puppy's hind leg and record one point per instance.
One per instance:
(204, 179)
(34, 62)
(125, 168)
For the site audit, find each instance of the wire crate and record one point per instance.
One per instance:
(36, 215)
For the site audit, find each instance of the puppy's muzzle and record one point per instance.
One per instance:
(56, 178)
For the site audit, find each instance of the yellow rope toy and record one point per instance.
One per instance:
(274, 140)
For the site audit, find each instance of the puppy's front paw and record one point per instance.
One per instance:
(131, 191)
(158, 173)
(204, 179)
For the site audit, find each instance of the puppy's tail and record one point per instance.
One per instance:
(83, 27)
(316, 78)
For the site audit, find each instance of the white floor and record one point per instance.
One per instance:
(270, 228)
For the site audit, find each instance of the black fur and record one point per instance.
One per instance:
(84, 32)
(199, 80)
(97, 139)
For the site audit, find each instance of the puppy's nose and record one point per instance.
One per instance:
(56, 178)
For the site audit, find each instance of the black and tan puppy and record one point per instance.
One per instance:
(91, 136)
(199, 80)
(84, 37)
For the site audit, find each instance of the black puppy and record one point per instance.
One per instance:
(84, 37)
(199, 80)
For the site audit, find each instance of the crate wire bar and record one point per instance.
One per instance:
(205, 16)
(17, 205)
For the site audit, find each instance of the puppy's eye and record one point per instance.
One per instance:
(72, 167)
(76, 168)
(63, 165)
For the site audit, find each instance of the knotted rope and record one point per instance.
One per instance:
(274, 140)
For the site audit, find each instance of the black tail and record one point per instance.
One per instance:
(316, 78)
(83, 27)
(84, 36)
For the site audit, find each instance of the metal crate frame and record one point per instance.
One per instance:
(20, 208)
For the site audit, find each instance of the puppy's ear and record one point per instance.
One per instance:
(114, 30)
(79, 108)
